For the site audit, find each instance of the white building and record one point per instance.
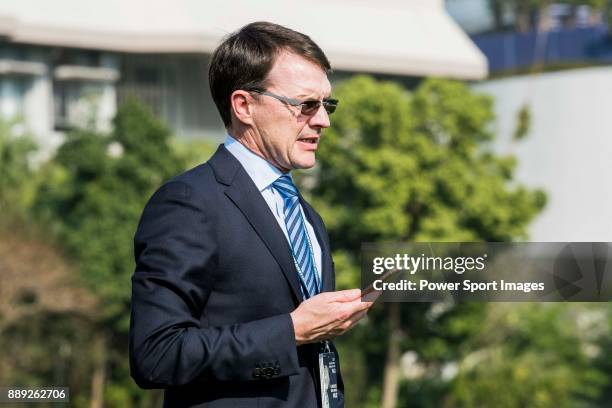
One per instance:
(67, 62)
(568, 152)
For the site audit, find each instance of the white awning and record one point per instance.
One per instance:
(403, 37)
(14, 67)
(81, 73)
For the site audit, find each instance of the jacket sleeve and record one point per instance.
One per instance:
(176, 255)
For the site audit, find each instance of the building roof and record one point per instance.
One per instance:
(402, 37)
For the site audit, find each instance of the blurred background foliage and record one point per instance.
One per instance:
(394, 166)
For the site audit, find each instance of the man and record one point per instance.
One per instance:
(233, 295)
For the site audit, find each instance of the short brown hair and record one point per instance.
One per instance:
(244, 59)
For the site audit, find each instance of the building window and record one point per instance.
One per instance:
(77, 94)
(76, 104)
(152, 80)
(12, 96)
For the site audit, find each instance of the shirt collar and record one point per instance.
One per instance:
(261, 171)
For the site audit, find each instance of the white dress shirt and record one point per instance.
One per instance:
(263, 175)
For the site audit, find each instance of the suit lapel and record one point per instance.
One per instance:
(326, 259)
(245, 195)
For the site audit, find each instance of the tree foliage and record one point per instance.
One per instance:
(98, 185)
(535, 355)
(16, 186)
(413, 167)
(417, 166)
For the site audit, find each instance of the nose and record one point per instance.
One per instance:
(320, 119)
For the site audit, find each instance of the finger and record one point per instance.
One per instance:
(353, 320)
(358, 316)
(359, 305)
(342, 328)
(347, 295)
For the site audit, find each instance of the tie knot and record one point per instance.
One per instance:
(285, 186)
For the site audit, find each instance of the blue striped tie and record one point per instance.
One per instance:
(296, 229)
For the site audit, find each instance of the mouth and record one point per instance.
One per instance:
(310, 142)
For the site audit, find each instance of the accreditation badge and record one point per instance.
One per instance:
(328, 370)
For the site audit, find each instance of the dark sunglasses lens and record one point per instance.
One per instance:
(310, 107)
(330, 105)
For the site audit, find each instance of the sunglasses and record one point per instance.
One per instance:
(307, 108)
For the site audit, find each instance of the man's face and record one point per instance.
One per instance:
(284, 136)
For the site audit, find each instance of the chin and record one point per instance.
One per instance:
(305, 164)
(304, 161)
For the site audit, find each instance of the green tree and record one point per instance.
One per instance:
(414, 167)
(533, 355)
(97, 187)
(16, 182)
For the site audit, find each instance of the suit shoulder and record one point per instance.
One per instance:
(198, 182)
(198, 177)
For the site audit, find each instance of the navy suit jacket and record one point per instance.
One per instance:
(212, 291)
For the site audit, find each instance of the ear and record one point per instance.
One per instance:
(242, 109)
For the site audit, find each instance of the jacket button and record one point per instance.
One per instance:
(257, 373)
